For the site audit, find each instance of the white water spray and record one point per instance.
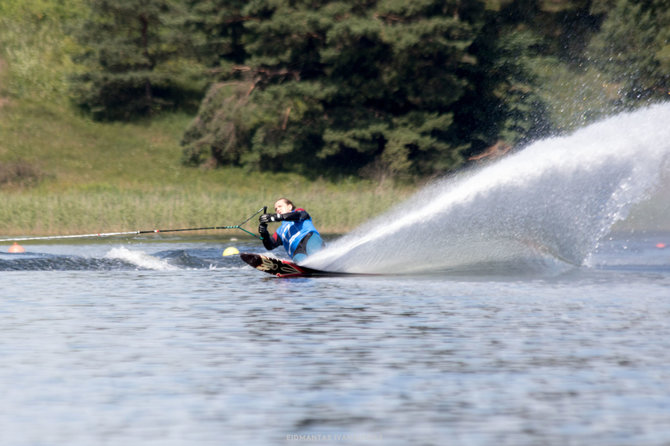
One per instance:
(553, 200)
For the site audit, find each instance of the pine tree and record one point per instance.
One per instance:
(403, 69)
(126, 46)
(214, 29)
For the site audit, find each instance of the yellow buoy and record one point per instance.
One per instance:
(16, 248)
(230, 251)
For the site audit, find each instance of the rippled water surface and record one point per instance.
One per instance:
(169, 343)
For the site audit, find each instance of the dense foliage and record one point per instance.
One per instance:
(342, 84)
(374, 87)
(633, 48)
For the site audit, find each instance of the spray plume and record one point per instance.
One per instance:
(552, 200)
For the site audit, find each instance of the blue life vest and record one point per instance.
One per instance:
(292, 232)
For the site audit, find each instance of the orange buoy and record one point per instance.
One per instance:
(660, 245)
(16, 248)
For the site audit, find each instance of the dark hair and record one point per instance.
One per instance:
(287, 201)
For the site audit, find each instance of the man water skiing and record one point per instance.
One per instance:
(296, 232)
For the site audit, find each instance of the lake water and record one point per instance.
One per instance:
(166, 342)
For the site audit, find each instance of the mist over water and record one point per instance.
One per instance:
(542, 208)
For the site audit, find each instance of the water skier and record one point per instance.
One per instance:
(296, 232)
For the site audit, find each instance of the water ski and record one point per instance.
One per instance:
(282, 268)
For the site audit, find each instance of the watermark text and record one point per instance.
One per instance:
(333, 437)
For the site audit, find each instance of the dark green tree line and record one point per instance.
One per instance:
(344, 84)
(379, 87)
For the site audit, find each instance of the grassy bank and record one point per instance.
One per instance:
(83, 176)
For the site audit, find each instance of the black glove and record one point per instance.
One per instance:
(269, 218)
(263, 229)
